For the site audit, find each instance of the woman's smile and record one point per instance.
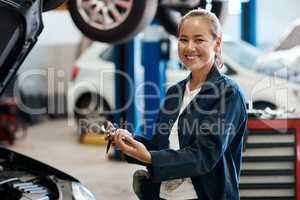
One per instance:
(191, 57)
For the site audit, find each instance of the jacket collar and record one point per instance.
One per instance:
(213, 77)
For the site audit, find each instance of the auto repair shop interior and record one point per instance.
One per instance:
(75, 73)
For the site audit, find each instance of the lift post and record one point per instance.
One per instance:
(128, 58)
(127, 115)
(156, 48)
(248, 21)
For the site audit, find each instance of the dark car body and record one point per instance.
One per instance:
(22, 177)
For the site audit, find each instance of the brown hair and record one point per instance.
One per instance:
(212, 19)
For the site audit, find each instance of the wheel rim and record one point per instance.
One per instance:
(104, 14)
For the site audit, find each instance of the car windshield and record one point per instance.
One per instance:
(242, 53)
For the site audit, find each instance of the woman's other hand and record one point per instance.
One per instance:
(129, 146)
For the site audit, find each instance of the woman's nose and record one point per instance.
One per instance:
(191, 46)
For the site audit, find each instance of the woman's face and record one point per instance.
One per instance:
(196, 45)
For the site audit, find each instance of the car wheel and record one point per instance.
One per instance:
(91, 112)
(111, 21)
(170, 17)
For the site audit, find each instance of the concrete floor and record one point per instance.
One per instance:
(55, 143)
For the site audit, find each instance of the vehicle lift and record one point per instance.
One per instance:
(152, 52)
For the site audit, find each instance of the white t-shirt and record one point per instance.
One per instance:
(179, 189)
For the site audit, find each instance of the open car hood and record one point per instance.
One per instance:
(22, 162)
(22, 177)
(21, 24)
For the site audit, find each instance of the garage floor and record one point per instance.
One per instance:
(55, 143)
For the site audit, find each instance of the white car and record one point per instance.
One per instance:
(92, 88)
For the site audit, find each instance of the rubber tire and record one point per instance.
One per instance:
(170, 23)
(52, 4)
(142, 13)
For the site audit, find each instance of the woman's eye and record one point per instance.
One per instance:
(183, 40)
(199, 40)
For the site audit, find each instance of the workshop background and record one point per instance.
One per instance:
(72, 82)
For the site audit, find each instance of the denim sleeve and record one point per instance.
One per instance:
(147, 144)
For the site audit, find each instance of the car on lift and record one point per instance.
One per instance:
(92, 88)
(119, 20)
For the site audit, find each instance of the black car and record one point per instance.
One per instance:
(22, 177)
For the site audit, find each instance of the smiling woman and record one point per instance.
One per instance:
(196, 148)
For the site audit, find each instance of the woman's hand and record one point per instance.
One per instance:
(129, 146)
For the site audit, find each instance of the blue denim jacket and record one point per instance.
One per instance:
(210, 131)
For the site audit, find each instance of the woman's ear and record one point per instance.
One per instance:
(218, 44)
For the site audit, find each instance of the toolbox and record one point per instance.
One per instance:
(271, 160)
